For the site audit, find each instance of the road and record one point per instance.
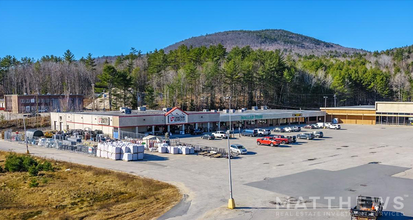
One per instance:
(371, 160)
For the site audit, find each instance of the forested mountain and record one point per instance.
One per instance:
(267, 40)
(194, 78)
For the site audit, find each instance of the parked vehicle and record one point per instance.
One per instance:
(250, 133)
(268, 141)
(367, 208)
(288, 129)
(308, 136)
(238, 148)
(220, 134)
(282, 139)
(318, 134)
(292, 139)
(279, 129)
(208, 137)
(263, 132)
(197, 131)
(296, 129)
(312, 126)
(335, 126)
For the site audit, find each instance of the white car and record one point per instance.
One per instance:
(238, 148)
(288, 129)
(335, 126)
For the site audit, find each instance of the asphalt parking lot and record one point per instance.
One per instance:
(282, 182)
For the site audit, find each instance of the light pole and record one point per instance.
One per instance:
(335, 100)
(25, 136)
(231, 201)
(325, 106)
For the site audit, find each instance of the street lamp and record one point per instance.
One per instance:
(25, 136)
(325, 110)
(231, 201)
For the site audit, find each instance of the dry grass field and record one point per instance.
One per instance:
(75, 191)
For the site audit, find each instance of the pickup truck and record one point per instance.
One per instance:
(220, 134)
(281, 138)
(367, 208)
(263, 132)
(268, 141)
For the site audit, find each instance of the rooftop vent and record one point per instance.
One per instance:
(205, 110)
(213, 110)
(142, 109)
(264, 107)
(254, 108)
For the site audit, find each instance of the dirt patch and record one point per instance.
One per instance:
(74, 191)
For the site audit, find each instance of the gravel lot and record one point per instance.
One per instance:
(367, 160)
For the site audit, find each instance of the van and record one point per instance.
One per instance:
(250, 133)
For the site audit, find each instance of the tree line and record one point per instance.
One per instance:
(202, 77)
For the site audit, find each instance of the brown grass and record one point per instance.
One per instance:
(84, 192)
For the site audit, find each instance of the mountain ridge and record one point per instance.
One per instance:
(268, 39)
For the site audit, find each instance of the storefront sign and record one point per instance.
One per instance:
(176, 116)
(297, 115)
(251, 117)
(103, 120)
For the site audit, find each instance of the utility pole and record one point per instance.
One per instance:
(93, 97)
(231, 201)
(335, 100)
(25, 136)
(325, 106)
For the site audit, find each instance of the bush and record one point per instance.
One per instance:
(33, 183)
(47, 166)
(1, 169)
(28, 162)
(33, 171)
(14, 163)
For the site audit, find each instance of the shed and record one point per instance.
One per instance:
(150, 139)
(31, 133)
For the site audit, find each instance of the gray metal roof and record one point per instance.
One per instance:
(357, 107)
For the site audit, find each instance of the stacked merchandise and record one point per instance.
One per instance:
(120, 151)
(164, 148)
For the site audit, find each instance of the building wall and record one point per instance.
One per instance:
(46, 103)
(394, 107)
(352, 116)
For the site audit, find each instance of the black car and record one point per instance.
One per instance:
(308, 136)
(208, 137)
(196, 131)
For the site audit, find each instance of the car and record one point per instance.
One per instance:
(238, 148)
(197, 131)
(318, 134)
(296, 129)
(268, 141)
(220, 134)
(312, 126)
(292, 139)
(288, 129)
(263, 132)
(335, 126)
(308, 136)
(208, 137)
(250, 133)
(281, 138)
(279, 129)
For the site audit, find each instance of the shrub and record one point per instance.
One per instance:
(1, 169)
(14, 163)
(33, 183)
(28, 162)
(47, 166)
(33, 171)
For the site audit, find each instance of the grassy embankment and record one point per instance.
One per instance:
(83, 192)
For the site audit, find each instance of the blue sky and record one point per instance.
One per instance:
(37, 28)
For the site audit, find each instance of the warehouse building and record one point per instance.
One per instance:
(43, 103)
(177, 121)
(385, 113)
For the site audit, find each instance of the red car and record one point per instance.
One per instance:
(268, 141)
(281, 138)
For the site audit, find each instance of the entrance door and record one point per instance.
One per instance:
(61, 126)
